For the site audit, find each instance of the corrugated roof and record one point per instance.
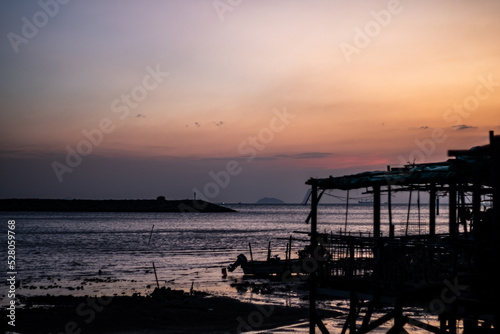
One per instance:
(451, 171)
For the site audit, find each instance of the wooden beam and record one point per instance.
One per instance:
(495, 183)
(432, 209)
(389, 207)
(376, 211)
(314, 244)
(476, 202)
(377, 323)
(452, 224)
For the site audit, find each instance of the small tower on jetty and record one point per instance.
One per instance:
(449, 275)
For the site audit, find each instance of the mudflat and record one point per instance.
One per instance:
(164, 311)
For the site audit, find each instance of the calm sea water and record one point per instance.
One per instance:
(113, 253)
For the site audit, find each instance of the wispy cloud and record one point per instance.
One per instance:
(301, 156)
(307, 155)
(296, 156)
(214, 123)
(463, 127)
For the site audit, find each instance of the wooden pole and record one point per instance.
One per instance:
(476, 202)
(269, 251)
(250, 247)
(376, 211)
(251, 257)
(314, 244)
(156, 276)
(286, 252)
(452, 224)
(346, 210)
(151, 234)
(432, 209)
(408, 214)
(462, 217)
(418, 207)
(437, 205)
(495, 181)
(389, 206)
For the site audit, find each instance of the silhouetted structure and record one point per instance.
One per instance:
(451, 275)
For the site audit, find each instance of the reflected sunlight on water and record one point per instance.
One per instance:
(111, 253)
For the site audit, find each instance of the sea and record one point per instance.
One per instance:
(104, 254)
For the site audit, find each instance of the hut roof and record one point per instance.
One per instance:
(470, 166)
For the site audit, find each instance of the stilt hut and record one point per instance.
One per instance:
(451, 274)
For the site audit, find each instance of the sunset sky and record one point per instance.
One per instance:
(237, 99)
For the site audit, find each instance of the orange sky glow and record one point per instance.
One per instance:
(289, 89)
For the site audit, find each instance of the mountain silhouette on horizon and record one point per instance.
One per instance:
(269, 200)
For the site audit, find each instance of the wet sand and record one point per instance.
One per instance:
(165, 311)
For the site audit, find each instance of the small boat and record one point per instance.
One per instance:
(365, 202)
(271, 266)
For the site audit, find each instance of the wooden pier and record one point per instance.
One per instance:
(451, 276)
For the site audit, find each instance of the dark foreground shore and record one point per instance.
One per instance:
(80, 205)
(164, 312)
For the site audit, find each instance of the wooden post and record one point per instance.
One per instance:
(346, 211)
(389, 206)
(156, 276)
(399, 320)
(461, 212)
(151, 234)
(495, 181)
(314, 244)
(452, 210)
(353, 313)
(476, 202)
(269, 251)
(376, 211)
(286, 253)
(452, 325)
(432, 209)
(350, 322)
(250, 247)
(408, 213)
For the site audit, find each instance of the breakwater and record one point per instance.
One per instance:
(81, 205)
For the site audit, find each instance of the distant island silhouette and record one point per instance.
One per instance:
(269, 200)
(83, 205)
